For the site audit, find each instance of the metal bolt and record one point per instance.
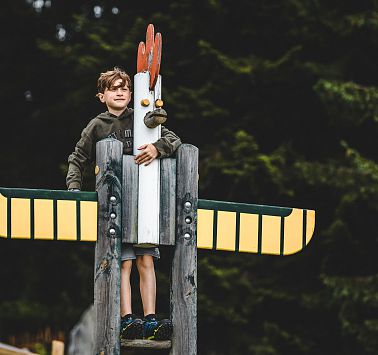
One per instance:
(113, 199)
(145, 102)
(159, 103)
(187, 235)
(187, 204)
(188, 220)
(113, 215)
(112, 231)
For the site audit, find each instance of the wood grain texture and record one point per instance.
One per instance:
(184, 265)
(6, 349)
(130, 200)
(146, 344)
(167, 227)
(108, 247)
(57, 347)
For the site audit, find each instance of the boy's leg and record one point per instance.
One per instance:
(131, 326)
(146, 269)
(126, 287)
(153, 329)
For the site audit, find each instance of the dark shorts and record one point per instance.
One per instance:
(130, 252)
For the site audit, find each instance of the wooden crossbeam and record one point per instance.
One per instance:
(241, 227)
(252, 228)
(48, 214)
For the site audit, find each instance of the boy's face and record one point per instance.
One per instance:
(116, 98)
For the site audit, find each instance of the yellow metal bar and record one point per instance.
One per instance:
(310, 227)
(226, 229)
(88, 221)
(43, 219)
(205, 231)
(293, 238)
(3, 216)
(249, 227)
(66, 221)
(20, 218)
(271, 227)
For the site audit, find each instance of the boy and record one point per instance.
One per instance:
(114, 90)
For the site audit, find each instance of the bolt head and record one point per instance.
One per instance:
(145, 102)
(187, 204)
(113, 199)
(188, 220)
(112, 231)
(159, 103)
(113, 215)
(187, 235)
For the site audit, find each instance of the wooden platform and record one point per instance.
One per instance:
(145, 347)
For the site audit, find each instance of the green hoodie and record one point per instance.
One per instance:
(107, 125)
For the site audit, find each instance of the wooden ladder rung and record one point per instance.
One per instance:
(146, 344)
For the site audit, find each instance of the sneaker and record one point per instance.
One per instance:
(131, 327)
(157, 330)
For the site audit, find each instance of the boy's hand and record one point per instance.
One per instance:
(148, 154)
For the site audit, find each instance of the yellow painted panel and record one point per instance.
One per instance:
(3, 216)
(271, 236)
(310, 227)
(88, 220)
(249, 230)
(205, 219)
(20, 218)
(66, 220)
(226, 230)
(43, 219)
(293, 232)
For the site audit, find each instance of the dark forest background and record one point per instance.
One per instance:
(281, 99)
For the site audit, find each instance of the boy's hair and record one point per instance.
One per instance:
(107, 79)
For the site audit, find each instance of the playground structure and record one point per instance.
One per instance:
(155, 205)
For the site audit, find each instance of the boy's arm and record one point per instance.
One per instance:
(77, 160)
(167, 144)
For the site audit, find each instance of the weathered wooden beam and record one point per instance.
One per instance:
(130, 200)
(57, 347)
(184, 265)
(146, 344)
(167, 218)
(6, 349)
(108, 247)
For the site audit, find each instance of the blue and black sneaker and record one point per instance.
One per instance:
(154, 329)
(131, 327)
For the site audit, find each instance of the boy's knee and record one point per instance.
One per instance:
(126, 265)
(145, 261)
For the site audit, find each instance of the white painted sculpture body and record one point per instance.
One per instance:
(149, 176)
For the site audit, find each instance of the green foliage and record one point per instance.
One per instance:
(348, 103)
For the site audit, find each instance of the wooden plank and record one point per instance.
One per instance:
(43, 219)
(20, 218)
(130, 200)
(146, 344)
(167, 201)
(184, 265)
(6, 349)
(66, 222)
(57, 347)
(3, 216)
(108, 247)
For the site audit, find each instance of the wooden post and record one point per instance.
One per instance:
(57, 347)
(108, 247)
(130, 209)
(130, 200)
(184, 264)
(167, 218)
